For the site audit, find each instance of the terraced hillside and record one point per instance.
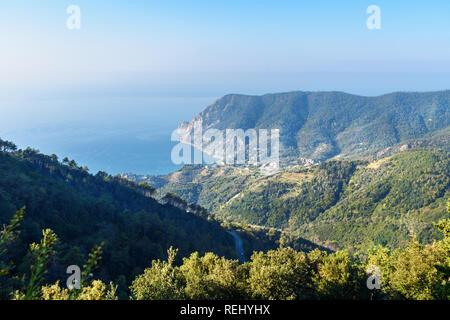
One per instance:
(340, 204)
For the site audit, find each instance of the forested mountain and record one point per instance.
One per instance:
(322, 125)
(309, 232)
(133, 229)
(63, 201)
(341, 204)
(381, 173)
(85, 210)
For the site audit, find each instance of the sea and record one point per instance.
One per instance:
(116, 135)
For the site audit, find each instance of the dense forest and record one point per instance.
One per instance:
(322, 125)
(414, 272)
(85, 210)
(341, 204)
(133, 244)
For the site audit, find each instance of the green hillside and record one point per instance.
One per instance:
(340, 204)
(322, 125)
(85, 210)
(388, 202)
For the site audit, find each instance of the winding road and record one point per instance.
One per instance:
(239, 246)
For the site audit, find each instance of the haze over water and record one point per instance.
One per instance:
(113, 135)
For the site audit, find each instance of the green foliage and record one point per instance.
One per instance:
(148, 190)
(282, 274)
(7, 146)
(354, 204)
(388, 203)
(85, 210)
(97, 290)
(42, 254)
(92, 263)
(282, 202)
(338, 204)
(212, 277)
(7, 235)
(415, 272)
(285, 274)
(161, 281)
(175, 200)
(339, 276)
(207, 277)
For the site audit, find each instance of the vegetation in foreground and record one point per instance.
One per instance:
(85, 210)
(90, 209)
(415, 272)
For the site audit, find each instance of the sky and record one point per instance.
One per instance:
(211, 48)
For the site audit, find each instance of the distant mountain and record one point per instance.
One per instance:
(323, 125)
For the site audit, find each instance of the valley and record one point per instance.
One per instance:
(221, 232)
(383, 181)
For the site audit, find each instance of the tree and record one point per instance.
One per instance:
(97, 290)
(198, 210)
(160, 282)
(7, 235)
(148, 190)
(338, 276)
(175, 200)
(7, 146)
(282, 274)
(212, 277)
(416, 272)
(41, 254)
(73, 164)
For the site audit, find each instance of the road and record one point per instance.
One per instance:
(239, 246)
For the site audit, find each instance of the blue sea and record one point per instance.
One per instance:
(126, 135)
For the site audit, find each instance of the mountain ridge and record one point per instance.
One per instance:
(324, 124)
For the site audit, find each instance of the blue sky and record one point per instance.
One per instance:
(210, 48)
